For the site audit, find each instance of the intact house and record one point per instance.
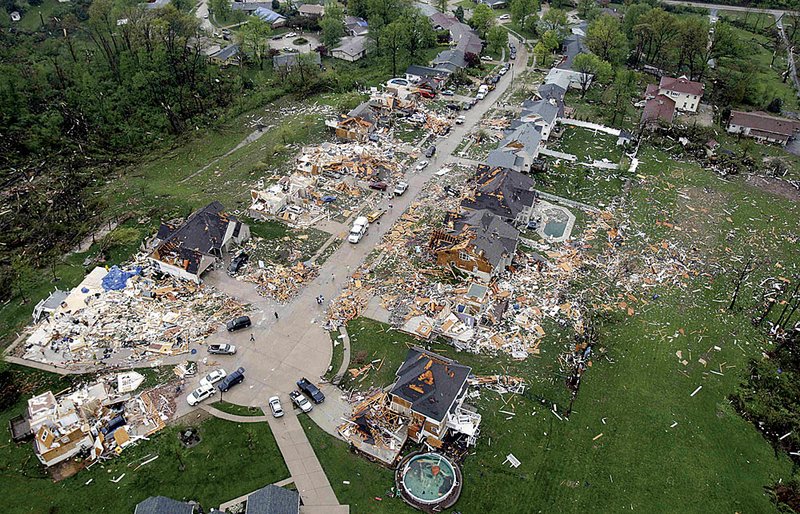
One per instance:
(356, 26)
(273, 500)
(274, 19)
(565, 79)
(494, 4)
(658, 109)
(187, 250)
(551, 91)
(763, 126)
(351, 48)
(504, 192)
(226, 56)
(543, 114)
(288, 61)
(476, 242)
(164, 505)
(311, 10)
(430, 390)
(572, 46)
(684, 92)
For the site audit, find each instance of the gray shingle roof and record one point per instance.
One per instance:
(273, 500)
(502, 191)
(493, 236)
(163, 505)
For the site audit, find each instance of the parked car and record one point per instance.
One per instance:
(422, 165)
(375, 215)
(213, 377)
(301, 401)
(504, 17)
(237, 262)
(276, 38)
(358, 230)
(291, 34)
(503, 71)
(448, 92)
(237, 377)
(238, 323)
(200, 394)
(275, 407)
(430, 151)
(400, 188)
(379, 186)
(221, 349)
(460, 120)
(424, 93)
(311, 390)
(453, 107)
(486, 58)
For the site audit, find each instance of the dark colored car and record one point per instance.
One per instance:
(238, 323)
(379, 186)
(237, 377)
(430, 151)
(454, 107)
(237, 262)
(311, 390)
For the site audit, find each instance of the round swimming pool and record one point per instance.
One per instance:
(428, 478)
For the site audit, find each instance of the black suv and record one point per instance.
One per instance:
(237, 262)
(237, 377)
(311, 390)
(238, 323)
(430, 151)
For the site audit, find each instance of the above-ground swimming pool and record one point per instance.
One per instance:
(428, 478)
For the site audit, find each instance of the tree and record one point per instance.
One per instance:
(420, 33)
(459, 13)
(182, 5)
(691, 44)
(441, 5)
(357, 8)
(591, 68)
(24, 277)
(472, 59)
(332, 24)
(496, 39)
(394, 38)
(482, 19)
(587, 9)
(605, 39)
(254, 39)
(555, 20)
(624, 87)
(304, 77)
(524, 14)
(220, 8)
(653, 35)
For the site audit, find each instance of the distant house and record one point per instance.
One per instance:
(274, 19)
(273, 500)
(356, 26)
(226, 56)
(451, 60)
(504, 192)
(565, 79)
(685, 93)
(351, 48)
(163, 505)
(572, 46)
(763, 126)
(658, 109)
(430, 389)
(311, 10)
(476, 242)
(287, 62)
(189, 249)
(494, 4)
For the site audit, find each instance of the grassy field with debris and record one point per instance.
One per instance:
(637, 438)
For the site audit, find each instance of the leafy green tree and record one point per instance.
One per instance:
(394, 38)
(482, 19)
(496, 39)
(420, 35)
(633, 14)
(587, 9)
(220, 8)
(305, 77)
(604, 38)
(254, 39)
(653, 35)
(555, 20)
(524, 14)
(357, 8)
(592, 69)
(623, 89)
(332, 24)
(459, 13)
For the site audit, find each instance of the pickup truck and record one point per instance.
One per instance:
(221, 349)
(311, 390)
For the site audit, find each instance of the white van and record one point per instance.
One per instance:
(360, 226)
(482, 92)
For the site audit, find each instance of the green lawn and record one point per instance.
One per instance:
(237, 410)
(711, 460)
(231, 460)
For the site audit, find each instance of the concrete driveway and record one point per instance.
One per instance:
(286, 43)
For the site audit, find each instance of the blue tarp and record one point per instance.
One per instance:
(116, 278)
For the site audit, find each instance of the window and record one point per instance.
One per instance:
(464, 256)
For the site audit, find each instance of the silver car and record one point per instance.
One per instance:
(275, 407)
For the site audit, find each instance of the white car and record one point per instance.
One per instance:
(400, 188)
(291, 34)
(504, 17)
(422, 165)
(486, 58)
(200, 394)
(460, 120)
(360, 226)
(275, 407)
(213, 377)
(301, 401)
(502, 71)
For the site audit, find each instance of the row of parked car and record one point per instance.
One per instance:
(218, 377)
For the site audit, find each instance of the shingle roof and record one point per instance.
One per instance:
(353, 45)
(766, 123)
(492, 236)
(273, 500)
(542, 109)
(504, 159)
(551, 91)
(268, 15)
(163, 505)
(430, 382)
(226, 53)
(502, 191)
(682, 85)
(659, 108)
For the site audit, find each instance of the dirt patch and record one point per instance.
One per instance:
(775, 187)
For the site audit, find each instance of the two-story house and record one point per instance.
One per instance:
(504, 192)
(684, 92)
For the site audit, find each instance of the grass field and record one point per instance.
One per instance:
(237, 410)
(636, 440)
(211, 472)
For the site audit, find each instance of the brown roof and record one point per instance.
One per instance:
(763, 122)
(659, 108)
(682, 85)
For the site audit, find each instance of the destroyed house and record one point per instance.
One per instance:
(356, 125)
(188, 249)
(478, 243)
(163, 505)
(430, 389)
(504, 192)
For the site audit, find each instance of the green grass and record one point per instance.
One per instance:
(237, 410)
(49, 8)
(211, 472)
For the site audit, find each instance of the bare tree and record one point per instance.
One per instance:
(748, 268)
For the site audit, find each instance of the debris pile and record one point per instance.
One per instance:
(150, 316)
(282, 283)
(374, 429)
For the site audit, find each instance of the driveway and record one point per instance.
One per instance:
(202, 14)
(286, 43)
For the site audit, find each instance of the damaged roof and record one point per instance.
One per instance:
(490, 234)
(502, 191)
(430, 382)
